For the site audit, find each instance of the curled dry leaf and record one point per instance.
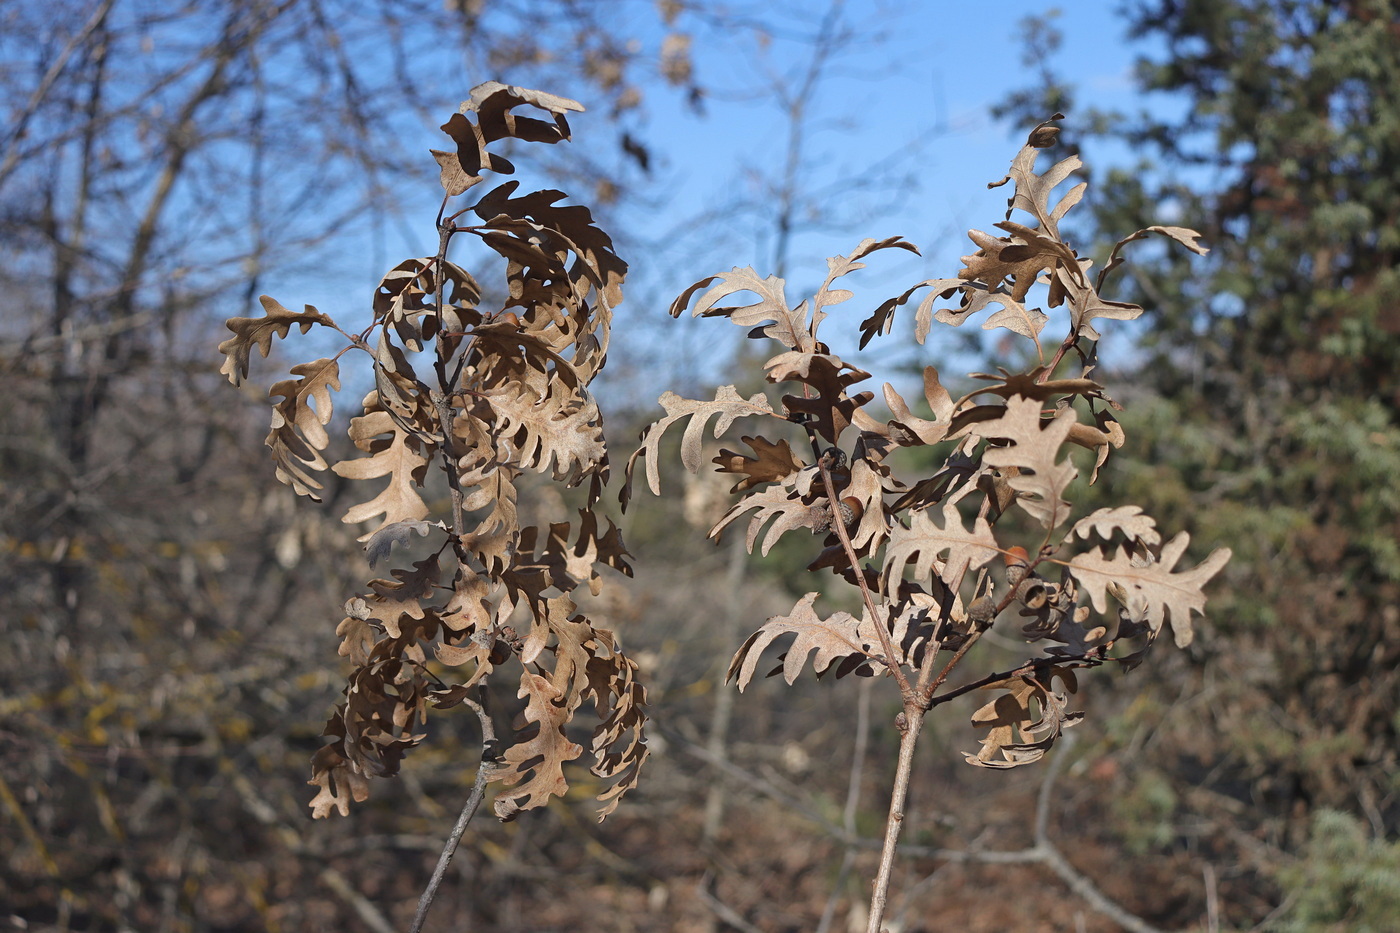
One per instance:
(727, 407)
(249, 332)
(534, 768)
(1025, 720)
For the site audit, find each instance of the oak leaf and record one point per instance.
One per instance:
(1153, 589)
(1019, 733)
(1034, 446)
(394, 453)
(833, 639)
(298, 433)
(770, 316)
(727, 406)
(926, 542)
(534, 768)
(249, 332)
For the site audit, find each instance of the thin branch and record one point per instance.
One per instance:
(56, 69)
(483, 777)
(365, 910)
(722, 910)
(886, 645)
(913, 722)
(853, 786)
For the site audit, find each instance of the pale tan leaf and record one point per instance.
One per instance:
(563, 430)
(1127, 520)
(249, 332)
(881, 319)
(1035, 445)
(394, 453)
(727, 406)
(382, 542)
(925, 542)
(1087, 306)
(534, 768)
(769, 316)
(779, 505)
(833, 639)
(838, 266)
(1153, 589)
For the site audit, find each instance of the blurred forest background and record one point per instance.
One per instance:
(167, 649)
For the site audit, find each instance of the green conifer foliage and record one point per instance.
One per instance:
(1278, 371)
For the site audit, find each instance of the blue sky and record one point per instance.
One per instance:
(902, 141)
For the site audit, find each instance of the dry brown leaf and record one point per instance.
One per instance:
(838, 266)
(249, 332)
(298, 433)
(1035, 445)
(1153, 591)
(534, 768)
(1127, 520)
(394, 454)
(1019, 733)
(833, 639)
(777, 504)
(881, 319)
(770, 316)
(1032, 191)
(772, 463)
(727, 406)
(1185, 236)
(925, 542)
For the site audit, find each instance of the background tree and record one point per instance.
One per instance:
(159, 163)
(1275, 418)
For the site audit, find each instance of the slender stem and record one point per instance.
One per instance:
(483, 777)
(886, 645)
(913, 724)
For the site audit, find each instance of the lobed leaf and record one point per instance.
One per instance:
(250, 332)
(926, 542)
(395, 454)
(534, 768)
(727, 406)
(298, 433)
(1152, 589)
(1034, 447)
(1019, 733)
(833, 639)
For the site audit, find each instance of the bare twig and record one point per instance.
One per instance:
(366, 911)
(912, 726)
(483, 777)
(876, 620)
(722, 910)
(55, 71)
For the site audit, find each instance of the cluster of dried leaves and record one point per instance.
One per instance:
(488, 395)
(924, 551)
(933, 556)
